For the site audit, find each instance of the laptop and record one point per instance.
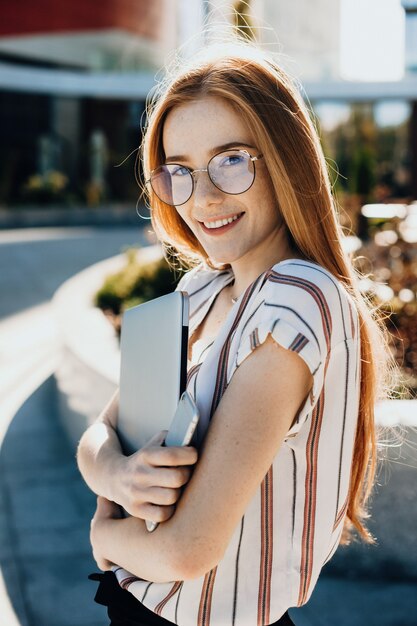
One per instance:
(153, 367)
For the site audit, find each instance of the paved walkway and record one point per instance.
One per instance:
(46, 556)
(45, 508)
(33, 264)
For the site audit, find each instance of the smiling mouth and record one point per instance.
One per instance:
(220, 223)
(217, 227)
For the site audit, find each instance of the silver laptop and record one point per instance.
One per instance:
(153, 367)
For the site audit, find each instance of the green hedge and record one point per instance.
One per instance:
(136, 283)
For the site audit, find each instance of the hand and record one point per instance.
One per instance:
(150, 481)
(105, 510)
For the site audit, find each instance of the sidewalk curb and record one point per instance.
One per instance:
(35, 376)
(91, 353)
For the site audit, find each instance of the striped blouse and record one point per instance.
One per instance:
(293, 524)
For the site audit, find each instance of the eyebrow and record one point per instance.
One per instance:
(225, 146)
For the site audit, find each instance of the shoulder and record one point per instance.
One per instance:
(306, 310)
(303, 279)
(307, 290)
(199, 278)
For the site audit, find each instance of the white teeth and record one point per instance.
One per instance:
(219, 223)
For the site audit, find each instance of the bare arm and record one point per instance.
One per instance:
(148, 483)
(245, 433)
(99, 453)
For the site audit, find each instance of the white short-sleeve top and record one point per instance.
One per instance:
(293, 524)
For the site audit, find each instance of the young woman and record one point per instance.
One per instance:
(280, 364)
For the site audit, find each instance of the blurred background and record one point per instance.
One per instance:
(74, 81)
(74, 78)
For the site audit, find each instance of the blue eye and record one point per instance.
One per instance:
(234, 159)
(179, 170)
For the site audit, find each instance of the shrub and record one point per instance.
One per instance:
(135, 283)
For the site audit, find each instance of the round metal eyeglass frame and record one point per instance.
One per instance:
(206, 169)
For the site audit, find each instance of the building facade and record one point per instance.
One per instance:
(74, 79)
(65, 69)
(308, 33)
(410, 7)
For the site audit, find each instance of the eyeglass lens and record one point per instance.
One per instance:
(231, 171)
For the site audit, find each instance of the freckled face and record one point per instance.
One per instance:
(195, 131)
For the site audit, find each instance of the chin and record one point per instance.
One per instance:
(225, 256)
(221, 260)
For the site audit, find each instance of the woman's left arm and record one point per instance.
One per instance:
(248, 427)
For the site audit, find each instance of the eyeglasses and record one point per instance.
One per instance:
(231, 171)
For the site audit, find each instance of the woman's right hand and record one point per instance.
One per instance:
(150, 481)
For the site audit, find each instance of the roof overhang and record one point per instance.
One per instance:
(136, 85)
(405, 89)
(111, 85)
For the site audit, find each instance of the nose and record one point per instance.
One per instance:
(205, 192)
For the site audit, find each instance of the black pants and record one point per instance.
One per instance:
(124, 609)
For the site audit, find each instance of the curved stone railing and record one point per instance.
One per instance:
(88, 370)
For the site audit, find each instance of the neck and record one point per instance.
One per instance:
(246, 270)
